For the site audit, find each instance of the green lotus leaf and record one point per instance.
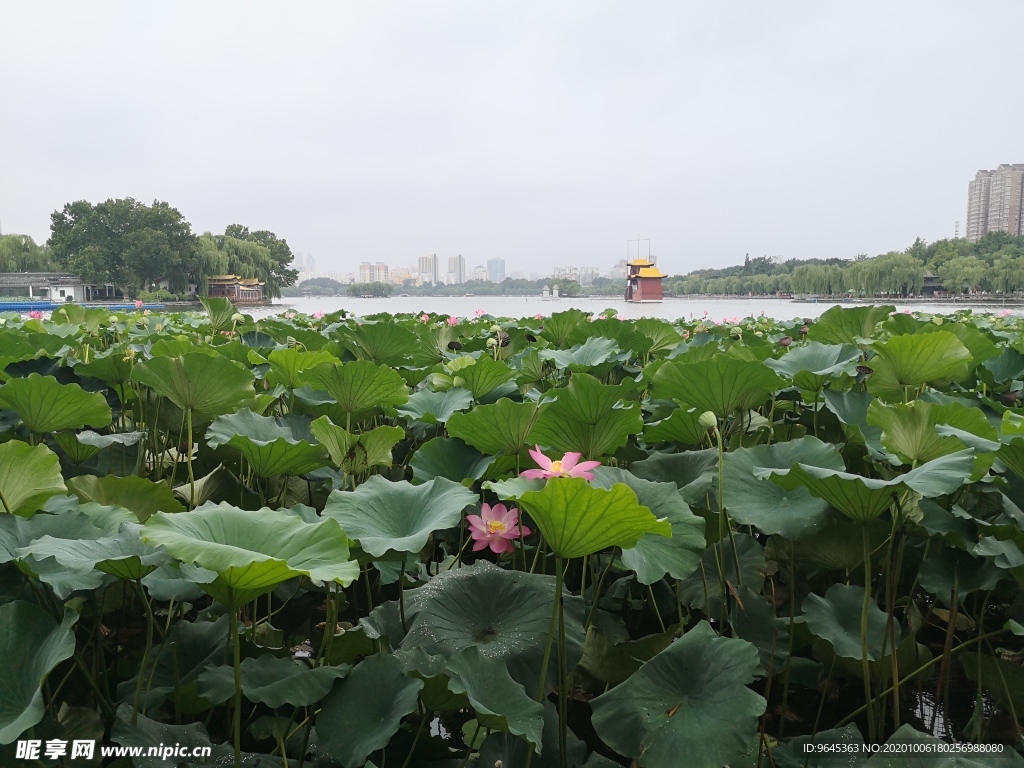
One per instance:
(33, 644)
(112, 367)
(865, 498)
(910, 431)
(141, 496)
(939, 568)
(503, 427)
(220, 312)
(450, 458)
(625, 335)
(930, 752)
(252, 552)
(588, 417)
(363, 711)
(272, 445)
(386, 343)
(558, 328)
(583, 357)
(691, 699)
(719, 384)
(287, 365)
(176, 346)
(512, 750)
(357, 453)
(125, 555)
(16, 533)
(682, 426)
(978, 343)
(146, 733)
(270, 680)
(28, 477)
(904, 363)
(220, 485)
(1009, 365)
(385, 516)
(45, 405)
(82, 446)
(702, 589)
(482, 376)
(655, 555)
(662, 334)
(842, 325)
(358, 387)
(576, 518)
(754, 619)
(754, 500)
(836, 617)
(692, 472)
(207, 385)
(837, 748)
(812, 366)
(435, 407)
(611, 657)
(506, 614)
(499, 701)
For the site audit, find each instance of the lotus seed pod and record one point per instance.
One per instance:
(238, 317)
(708, 420)
(785, 341)
(492, 342)
(112, 319)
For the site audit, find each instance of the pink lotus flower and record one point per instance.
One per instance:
(146, 312)
(1006, 313)
(568, 466)
(618, 317)
(289, 315)
(453, 321)
(424, 318)
(479, 313)
(35, 314)
(138, 304)
(686, 334)
(318, 315)
(495, 527)
(538, 316)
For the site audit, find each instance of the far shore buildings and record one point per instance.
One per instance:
(43, 286)
(241, 290)
(994, 202)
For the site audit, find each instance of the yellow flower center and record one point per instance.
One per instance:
(556, 466)
(496, 526)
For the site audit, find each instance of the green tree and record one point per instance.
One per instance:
(19, 253)
(963, 274)
(280, 253)
(369, 289)
(123, 243)
(226, 255)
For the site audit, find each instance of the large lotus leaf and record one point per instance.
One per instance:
(82, 446)
(512, 751)
(386, 343)
(273, 681)
(611, 657)
(506, 614)
(662, 334)
(702, 590)
(559, 327)
(499, 701)
(836, 617)
(682, 426)
(28, 477)
(220, 485)
(357, 453)
(838, 748)
(719, 384)
(978, 343)
(287, 365)
(865, 498)
(691, 471)
(754, 619)
(576, 518)
(450, 458)
(220, 312)
(145, 733)
(842, 325)
(811, 366)
(138, 494)
(208, 385)
(113, 367)
(32, 644)
(124, 555)
(910, 431)
(45, 405)
(691, 699)
(482, 375)
(772, 509)
(939, 569)
(363, 711)
(252, 552)
(588, 417)
(358, 387)
(272, 445)
(930, 752)
(385, 516)
(904, 363)
(1007, 366)
(582, 357)
(503, 427)
(435, 407)
(18, 532)
(654, 555)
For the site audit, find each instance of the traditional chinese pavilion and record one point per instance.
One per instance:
(643, 281)
(241, 290)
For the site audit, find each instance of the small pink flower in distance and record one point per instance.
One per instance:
(1006, 313)
(618, 317)
(568, 466)
(495, 527)
(686, 334)
(289, 315)
(479, 313)
(538, 316)
(318, 315)
(453, 321)
(906, 312)
(35, 315)
(424, 318)
(146, 312)
(705, 313)
(138, 304)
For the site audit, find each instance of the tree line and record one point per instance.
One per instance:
(993, 264)
(137, 248)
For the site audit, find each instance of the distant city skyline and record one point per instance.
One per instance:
(536, 133)
(995, 201)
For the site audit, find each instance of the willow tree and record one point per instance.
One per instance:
(19, 253)
(224, 255)
(963, 274)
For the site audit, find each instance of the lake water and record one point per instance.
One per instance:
(523, 306)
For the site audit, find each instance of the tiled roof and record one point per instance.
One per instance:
(40, 279)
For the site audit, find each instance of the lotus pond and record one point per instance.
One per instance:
(555, 541)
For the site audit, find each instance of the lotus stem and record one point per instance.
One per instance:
(563, 672)
(792, 619)
(865, 663)
(188, 458)
(237, 662)
(150, 621)
(542, 686)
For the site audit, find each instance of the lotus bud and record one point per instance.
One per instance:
(759, 334)
(785, 341)
(495, 328)
(112, 319)
(238, 317)
(708, 420)
(803, 330)
(492, 342)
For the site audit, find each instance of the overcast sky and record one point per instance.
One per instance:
(541, 132)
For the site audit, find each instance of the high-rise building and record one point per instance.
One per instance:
(428, 269)
(480, 273)
(496, 270)
(373, 273)
(456, 270)
(994, 202)
(588, 275)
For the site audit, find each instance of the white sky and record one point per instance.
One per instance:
(543, 133)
